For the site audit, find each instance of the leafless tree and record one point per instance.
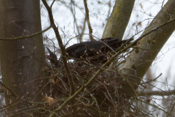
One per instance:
(34, 87)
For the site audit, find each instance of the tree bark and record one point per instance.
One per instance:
(21, 60)
(144, 54)
(119, 18)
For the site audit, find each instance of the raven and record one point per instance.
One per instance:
(91, 51)
(95, 51)
(52, 58)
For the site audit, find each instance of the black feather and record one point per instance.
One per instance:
(90, 49)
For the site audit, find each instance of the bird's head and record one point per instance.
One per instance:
(51, 57)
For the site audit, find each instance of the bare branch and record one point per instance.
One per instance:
(25, 36)
(60, 43)
(8, 89)
(88, 20)
(157, 93)
(74, 17)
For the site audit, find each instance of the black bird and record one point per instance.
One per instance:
(52, 58)
(95, 51)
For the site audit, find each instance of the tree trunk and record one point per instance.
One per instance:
(119, 18)
(21, 60)
(148, 47)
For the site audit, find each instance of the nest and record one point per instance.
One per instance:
(97, 97)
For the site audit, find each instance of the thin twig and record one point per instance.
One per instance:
(74, 17)
(25, 36)
(83, 30)
(8, 89)
(88, 20)
(52, 3)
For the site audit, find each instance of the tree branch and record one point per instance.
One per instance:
(25, 36)
(1, 90)
(157, 93)
(88, 20)
(60, 43)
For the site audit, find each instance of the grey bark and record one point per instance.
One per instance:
(119, 18)
(142, 57)
(21, 60)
